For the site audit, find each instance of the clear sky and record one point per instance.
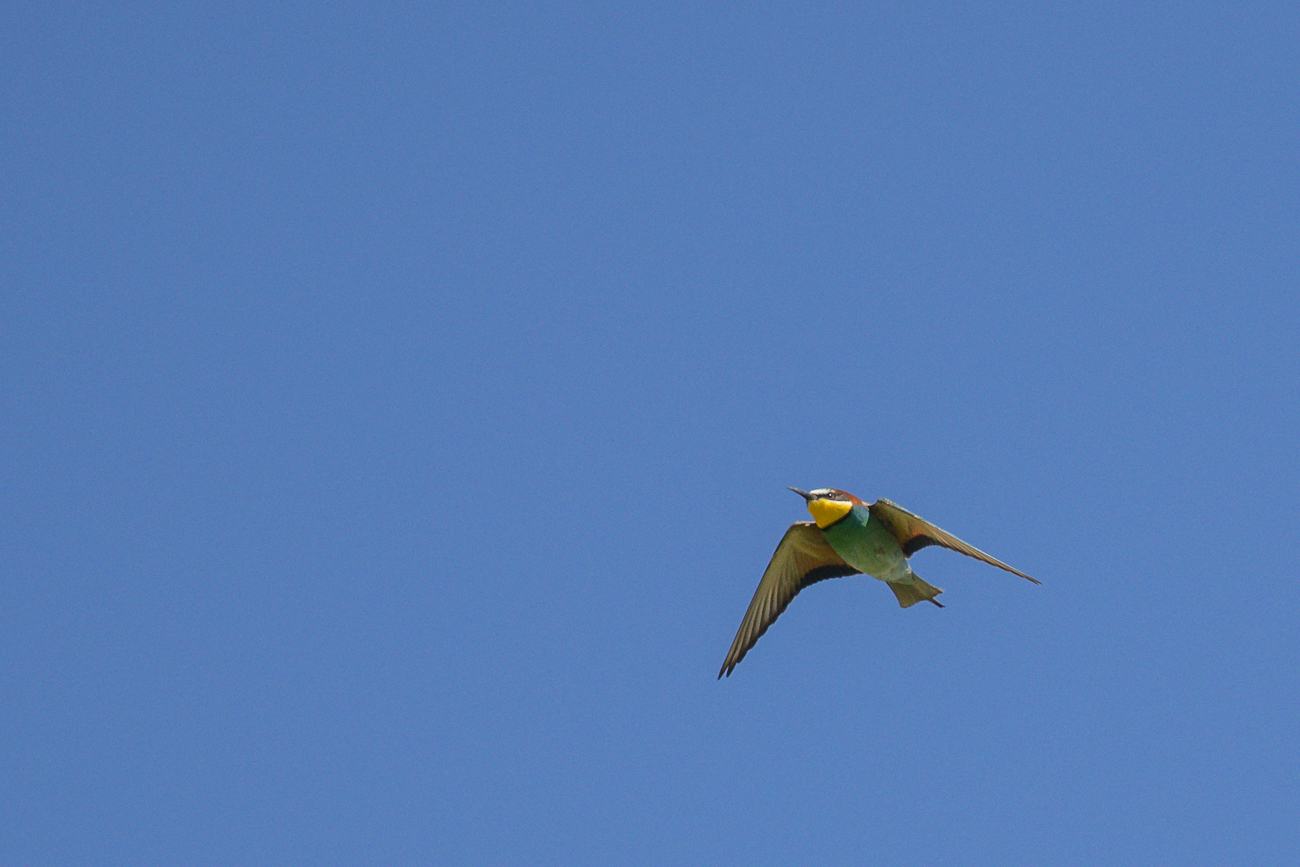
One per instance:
(399, 399)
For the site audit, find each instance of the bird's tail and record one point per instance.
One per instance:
(917, 591)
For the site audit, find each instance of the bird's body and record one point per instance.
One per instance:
(866, 545)
(847, 537)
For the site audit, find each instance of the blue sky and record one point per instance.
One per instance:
(400, 401)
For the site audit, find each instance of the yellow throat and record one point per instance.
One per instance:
(827, 512)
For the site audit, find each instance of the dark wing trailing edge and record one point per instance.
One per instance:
(804, 557)
(915, 533)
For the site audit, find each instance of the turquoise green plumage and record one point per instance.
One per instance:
(846, 537)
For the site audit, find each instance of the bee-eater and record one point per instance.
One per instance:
(845, 537)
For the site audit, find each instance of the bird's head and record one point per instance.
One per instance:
(828, 505)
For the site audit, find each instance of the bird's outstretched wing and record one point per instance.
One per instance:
(914, 533)
(804, 557)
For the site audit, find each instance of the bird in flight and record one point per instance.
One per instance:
(846, 537)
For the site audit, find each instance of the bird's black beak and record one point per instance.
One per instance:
(807, 496)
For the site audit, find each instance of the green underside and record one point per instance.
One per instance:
(866, 545)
